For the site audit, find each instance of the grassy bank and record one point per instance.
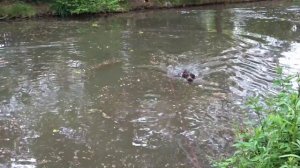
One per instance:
(31, 8)
(17, 9)
(275, 140)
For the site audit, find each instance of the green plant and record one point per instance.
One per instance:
(15, 10)
(69, 7)
(275, 141)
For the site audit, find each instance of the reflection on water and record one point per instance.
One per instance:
(291, 59)
(109, 95)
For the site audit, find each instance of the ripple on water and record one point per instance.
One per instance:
(291, 59)
(145, 126)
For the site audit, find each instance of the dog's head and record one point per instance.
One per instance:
(185, 74)
(188, 76)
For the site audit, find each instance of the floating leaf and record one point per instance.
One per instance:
(55, 130)
(104, 115)
(95, 25)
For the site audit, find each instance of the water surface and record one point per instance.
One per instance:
(103, 92)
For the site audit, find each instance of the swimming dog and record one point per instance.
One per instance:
(188, 76)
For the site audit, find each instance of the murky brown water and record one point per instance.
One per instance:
(103, 92)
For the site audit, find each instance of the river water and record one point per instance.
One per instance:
(103, 92)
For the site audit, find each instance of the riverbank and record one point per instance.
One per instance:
(12, 10)
(274, 140)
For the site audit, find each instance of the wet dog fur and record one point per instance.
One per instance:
(188, 76)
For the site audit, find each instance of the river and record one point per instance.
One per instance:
(101, 92)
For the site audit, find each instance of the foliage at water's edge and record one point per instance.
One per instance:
(30, 8)
(18, 9)
(275, 140)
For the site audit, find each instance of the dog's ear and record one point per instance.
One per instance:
(185, 74)
(192, 75)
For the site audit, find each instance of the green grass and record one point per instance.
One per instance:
(71, 7)
(17, 10)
